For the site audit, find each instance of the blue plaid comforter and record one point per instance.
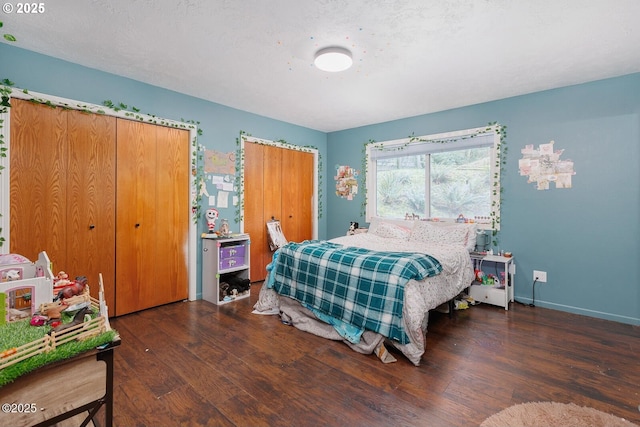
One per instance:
(359, 286)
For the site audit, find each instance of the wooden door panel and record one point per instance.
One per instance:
(172, 216)
(127, 247)
(91, 196)
(135, 215)
(272, 182)
(38, 181)
(297, 195)
(307, 190)
(254, 222)
(272, 199)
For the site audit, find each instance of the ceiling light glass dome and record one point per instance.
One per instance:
(333, 59)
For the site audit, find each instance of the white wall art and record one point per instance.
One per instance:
(543, 166)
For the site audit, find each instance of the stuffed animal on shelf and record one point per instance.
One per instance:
(212, 216)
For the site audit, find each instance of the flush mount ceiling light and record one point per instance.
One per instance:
(333, 59)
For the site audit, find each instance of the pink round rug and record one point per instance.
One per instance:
(544, 414)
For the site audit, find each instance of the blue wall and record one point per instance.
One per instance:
(221, 125)
(586, 238)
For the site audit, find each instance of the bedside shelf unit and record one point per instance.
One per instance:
(225, 263)
(488, 293)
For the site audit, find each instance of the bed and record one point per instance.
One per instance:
(316, 286)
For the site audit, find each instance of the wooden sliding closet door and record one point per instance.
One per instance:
(172, 214)
(272, 181)
(263, 201)
(297, 195)
(63, 190)
(91, 206)
(254, 209)
(278, 184)
(38, 181)
(135, 215)
(152, 205)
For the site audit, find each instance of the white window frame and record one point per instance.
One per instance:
(462, 139)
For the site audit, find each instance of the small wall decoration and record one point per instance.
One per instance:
(543, 166)
(219, 171)
(346, 182)
(219, 163)
(212, 216)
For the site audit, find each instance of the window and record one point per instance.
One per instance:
(437, 176)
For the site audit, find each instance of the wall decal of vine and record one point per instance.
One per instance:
(5, 96)
(8, 37)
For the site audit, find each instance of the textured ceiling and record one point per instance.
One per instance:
(410, 57)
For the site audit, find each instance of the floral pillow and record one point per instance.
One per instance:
(393, 231)
(449, 234)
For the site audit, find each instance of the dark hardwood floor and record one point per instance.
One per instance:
(197, 364)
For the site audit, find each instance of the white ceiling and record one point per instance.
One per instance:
(411, 57)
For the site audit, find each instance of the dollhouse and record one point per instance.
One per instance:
(25, 284)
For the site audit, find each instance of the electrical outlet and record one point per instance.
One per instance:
(541, 276)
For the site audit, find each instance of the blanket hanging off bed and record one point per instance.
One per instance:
(361, 287)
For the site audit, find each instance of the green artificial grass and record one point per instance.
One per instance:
(15, 334)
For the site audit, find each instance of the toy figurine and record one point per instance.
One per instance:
(38, 320)
(61, 281)
(352, 228)
(83, 315)
(212, 216)
(11, 275)
(75, 288)
(52, 310)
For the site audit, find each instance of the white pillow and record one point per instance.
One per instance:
(375, 222)
(471, 232)
(471, 236)
(445, 233)
(392, 231)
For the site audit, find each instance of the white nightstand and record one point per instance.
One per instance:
(488, 293)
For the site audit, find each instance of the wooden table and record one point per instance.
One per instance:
(75, 389)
